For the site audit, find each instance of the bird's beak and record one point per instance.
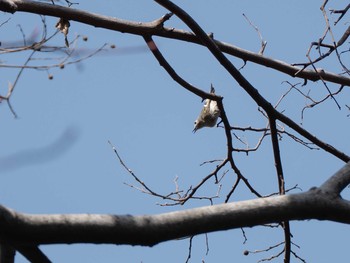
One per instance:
(194, 130)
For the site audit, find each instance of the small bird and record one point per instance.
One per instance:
(209, 114)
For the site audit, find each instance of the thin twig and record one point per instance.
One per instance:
(145, 189)
(189, 249)
(263, 42)
(341, 12)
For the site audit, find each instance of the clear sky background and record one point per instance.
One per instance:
(55, 157)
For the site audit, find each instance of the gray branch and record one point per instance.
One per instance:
(156, 28)
(323, 203)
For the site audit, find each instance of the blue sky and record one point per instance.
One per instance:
(129, 99)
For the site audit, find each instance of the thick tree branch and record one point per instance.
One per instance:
(148, 230)
(23, 230)
(156, 28)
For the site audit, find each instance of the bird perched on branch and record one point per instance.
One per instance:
(209, 114)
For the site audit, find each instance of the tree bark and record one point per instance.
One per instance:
(147, 230)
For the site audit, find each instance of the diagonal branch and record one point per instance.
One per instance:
(153, 28)
(162, 61)
(244, 83)
(33, 254)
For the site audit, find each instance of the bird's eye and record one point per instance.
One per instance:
(195, 122)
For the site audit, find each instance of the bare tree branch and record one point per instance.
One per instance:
(25, 232)
(281, 184)
(318, 203)
(154, 28)
(263, 42)
(162, 61)
(244, 83)
(341, 12)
